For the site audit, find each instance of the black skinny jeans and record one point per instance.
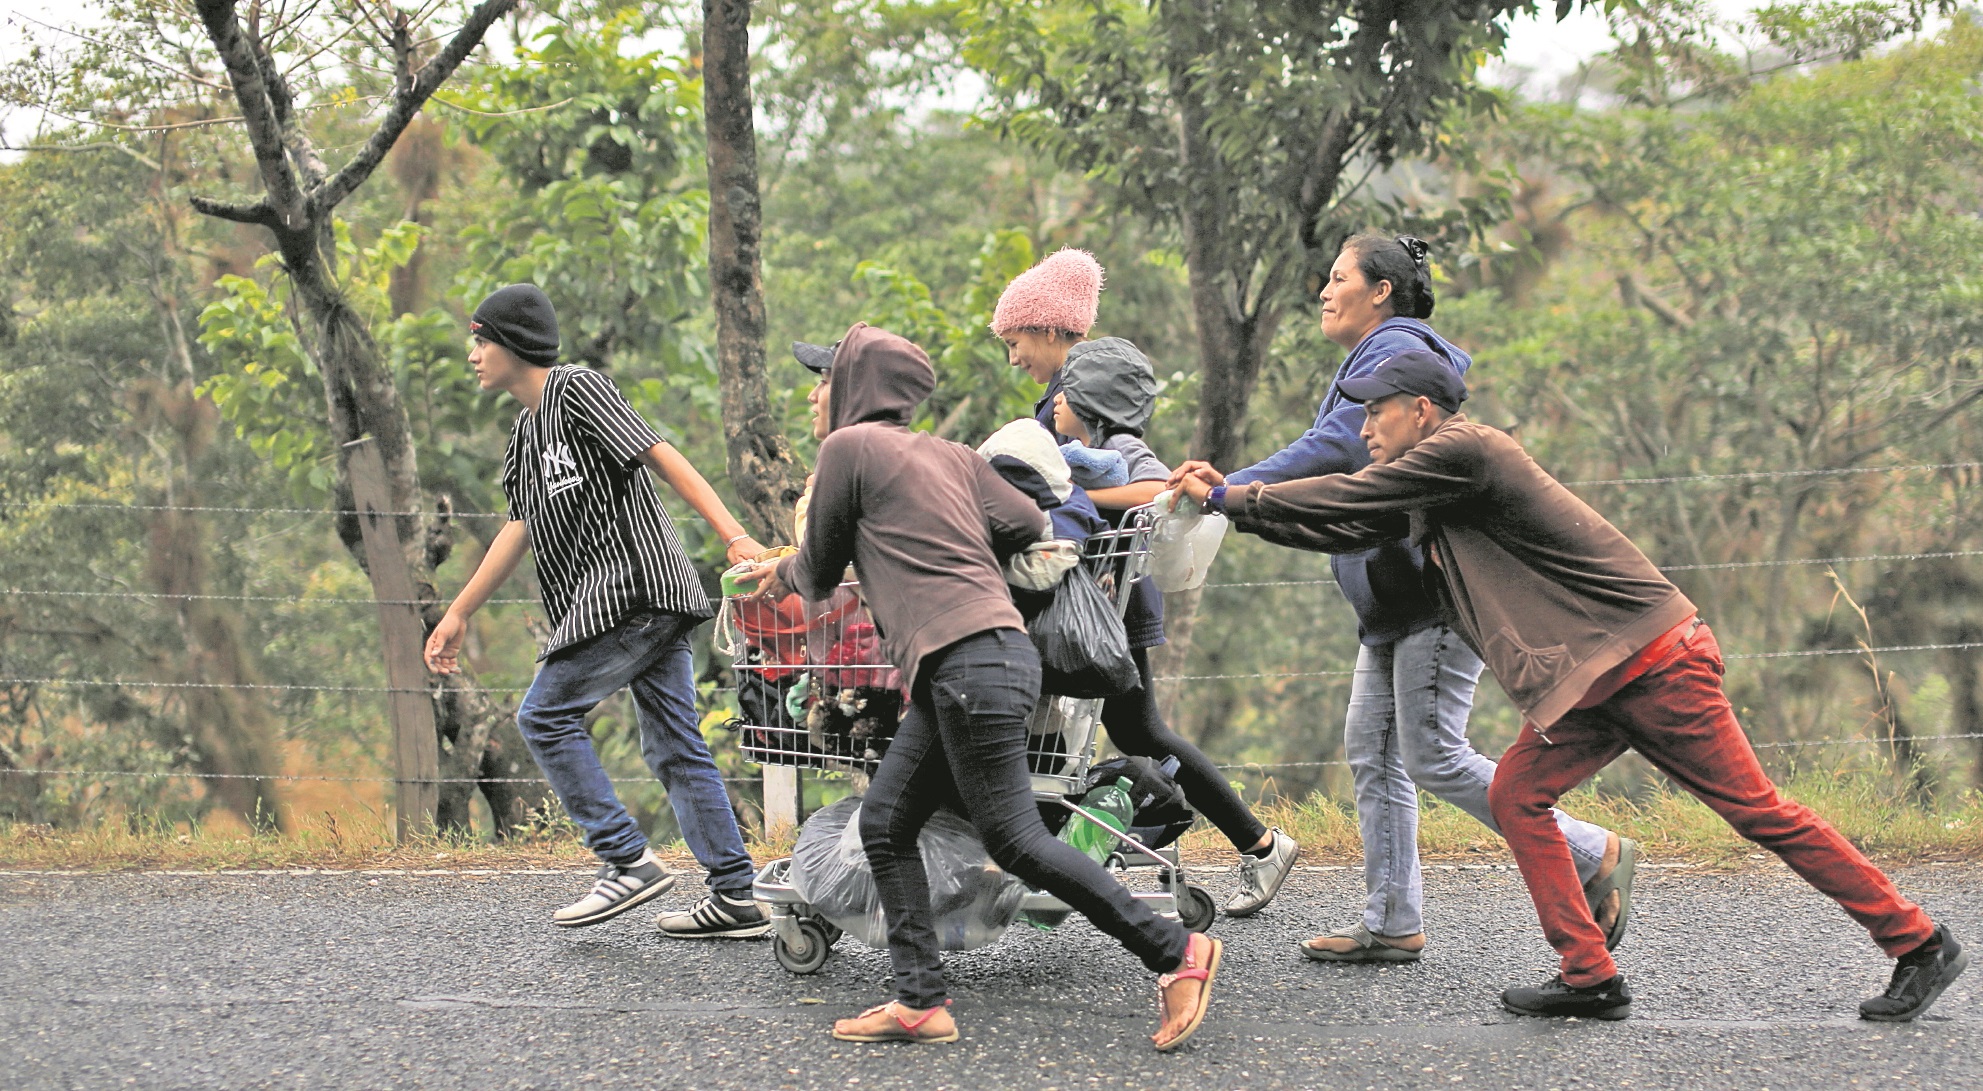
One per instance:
(1136, 727)
(963, 743)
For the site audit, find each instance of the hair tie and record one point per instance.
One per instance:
(1416, 247)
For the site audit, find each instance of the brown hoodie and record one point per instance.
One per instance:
(1548, 592)
(925, 522)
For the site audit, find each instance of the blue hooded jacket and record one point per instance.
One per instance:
(1383, 585)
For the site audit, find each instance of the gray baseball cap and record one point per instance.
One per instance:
(816, 358)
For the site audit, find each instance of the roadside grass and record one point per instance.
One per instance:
(1868, 806)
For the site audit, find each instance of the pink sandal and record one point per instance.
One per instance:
(1201, 964)
(866, 1027)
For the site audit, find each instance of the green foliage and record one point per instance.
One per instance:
(609, 212)
(977, 390)
(266, 385)
(1283, 93)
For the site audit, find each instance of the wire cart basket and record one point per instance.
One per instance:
(814, 692)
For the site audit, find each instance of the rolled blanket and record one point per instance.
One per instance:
(1095, 467)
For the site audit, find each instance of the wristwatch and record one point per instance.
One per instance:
(1215, 501)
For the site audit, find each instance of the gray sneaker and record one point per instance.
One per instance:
(1261, 878)
(616, 889)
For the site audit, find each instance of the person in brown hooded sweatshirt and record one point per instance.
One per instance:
(927, 524)
(1600, 652)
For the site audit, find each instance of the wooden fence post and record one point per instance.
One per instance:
(781, 799)
(416, 748)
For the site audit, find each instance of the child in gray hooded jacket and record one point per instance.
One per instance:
(1108, 391)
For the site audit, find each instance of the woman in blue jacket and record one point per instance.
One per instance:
(1414, 681)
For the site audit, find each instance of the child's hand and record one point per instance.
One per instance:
(443, 651)
(741, 550)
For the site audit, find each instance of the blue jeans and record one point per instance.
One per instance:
(962, 744)
(1407, 729)
(649, 652)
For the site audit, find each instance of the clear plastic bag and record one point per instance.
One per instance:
(1084, 650)
(1183, 544)
(973, 900)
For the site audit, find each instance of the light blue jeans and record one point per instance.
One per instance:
(1407, 729)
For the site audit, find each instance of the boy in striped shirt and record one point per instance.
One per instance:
(622, 597)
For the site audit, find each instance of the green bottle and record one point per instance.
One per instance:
(1108, 802)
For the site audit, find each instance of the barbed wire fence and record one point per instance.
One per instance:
(152, 597)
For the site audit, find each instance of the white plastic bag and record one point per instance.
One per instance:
(1183, 544)
(973, 900)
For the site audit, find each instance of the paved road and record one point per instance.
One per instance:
(444, 981)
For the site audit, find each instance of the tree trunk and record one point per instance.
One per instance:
(362, 400)
(230, 729)
(298, 206)
(763, 470)
(1968, 701)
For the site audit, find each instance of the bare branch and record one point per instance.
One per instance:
(126, 50)
(406, 102)
(257, 213)
(452, 105)
(96, 146)
(244, 69)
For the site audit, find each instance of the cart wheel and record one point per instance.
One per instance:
(833, 932)
(809, 953)
(1196, 910)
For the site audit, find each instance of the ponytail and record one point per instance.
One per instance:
(1404, 261)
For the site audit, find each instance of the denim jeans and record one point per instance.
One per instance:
(648, 652)
(962, 744)
(1136, 727)
(1677, 716)
(1407, 729)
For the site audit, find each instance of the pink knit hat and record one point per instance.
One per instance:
(1060, 293)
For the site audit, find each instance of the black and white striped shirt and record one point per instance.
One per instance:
(604, 547)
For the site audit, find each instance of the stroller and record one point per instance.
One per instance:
(814, 693)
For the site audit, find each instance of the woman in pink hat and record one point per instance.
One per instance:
(1045, 312)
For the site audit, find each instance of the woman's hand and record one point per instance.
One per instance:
(765, 576)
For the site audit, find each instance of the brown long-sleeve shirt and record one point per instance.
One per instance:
(1546, 590)
(926, 522)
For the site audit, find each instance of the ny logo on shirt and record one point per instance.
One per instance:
(557, 460)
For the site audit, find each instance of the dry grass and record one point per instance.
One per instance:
(1670, 826)
(1867, 807)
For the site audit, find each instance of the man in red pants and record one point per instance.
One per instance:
(1597, 648)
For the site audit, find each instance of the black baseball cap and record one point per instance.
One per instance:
(816, 358)
(1414, 372)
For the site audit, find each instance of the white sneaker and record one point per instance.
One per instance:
(616, 889)
(1260, 878)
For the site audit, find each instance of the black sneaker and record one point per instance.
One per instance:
(1611, 1000)
(616, 889)
(1919, 976)
(717, 916)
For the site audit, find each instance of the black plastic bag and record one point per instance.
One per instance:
(1084, 651)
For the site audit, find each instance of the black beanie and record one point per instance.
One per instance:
(520, 319)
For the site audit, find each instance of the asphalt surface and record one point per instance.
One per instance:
(439, 981)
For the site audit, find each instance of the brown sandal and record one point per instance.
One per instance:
(1201, 964)
(870, 1026)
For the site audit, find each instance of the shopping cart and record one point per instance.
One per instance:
(815, 693)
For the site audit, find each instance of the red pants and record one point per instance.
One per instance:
(1677, 717)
